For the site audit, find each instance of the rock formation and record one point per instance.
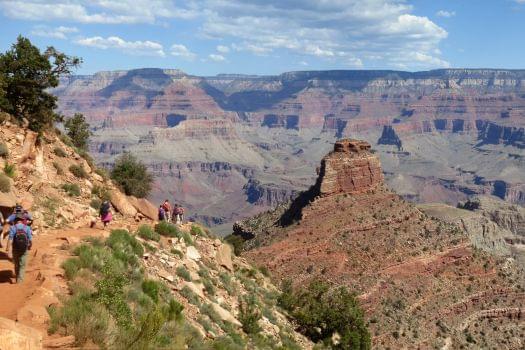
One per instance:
(405, 265)
(389, 137)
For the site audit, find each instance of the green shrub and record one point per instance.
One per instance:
(249, 314)
(177, 252)
(87, 157)
(132, 176)
(197, 231)
(101, 192)
(192, 298)
(5, 183)
(58, 168)
(321, 311)
(173, 310)
(73, 190)
(95, 203)
(164, 228)
(209, 287)
(187, 238)
(183, 273)
(71, 267)
(146, 232)
(59, 151)
(82, 317)
(151, 289)
(125, 247)
(237, 242)
(10, 170)
(4, 151)
(78, 171)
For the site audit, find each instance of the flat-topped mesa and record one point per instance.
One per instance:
(350, 168)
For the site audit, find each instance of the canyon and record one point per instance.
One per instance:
(251, 142)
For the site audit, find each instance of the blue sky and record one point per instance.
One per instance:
(207, 37)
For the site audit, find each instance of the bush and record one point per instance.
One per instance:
(78, 131)
(102, 173)
(95, 203)
(237, 242)
(249, 314)
(146, 232)
(60, 152)
(10, 170)
(101, 192)
(78, 171)
(321, 312)
(132, 176)
(73, 190)
(4, 151)
(164, 228)
(151, 289)
(197, 231)
(5, 184)
(183, 273)
(58, 168)
(71, 267)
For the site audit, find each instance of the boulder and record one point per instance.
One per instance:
(197, 288)
(121, 203)
(14, 335)
(225, 315)
(223, 257)
(144, 206)
(62, 342)
(192, 253)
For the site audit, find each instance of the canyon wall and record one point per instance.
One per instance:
(441, 135)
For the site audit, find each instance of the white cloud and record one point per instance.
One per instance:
(179, 50)
(95, 11)
(217, 58)
(448, 14)
(223, 49)
(141, 48)
(344, 31)
(60, 32)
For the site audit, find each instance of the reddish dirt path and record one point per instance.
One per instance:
(14, 296)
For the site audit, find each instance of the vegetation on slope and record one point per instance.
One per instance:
(132, 176)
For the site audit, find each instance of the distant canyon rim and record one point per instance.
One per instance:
(230, 146)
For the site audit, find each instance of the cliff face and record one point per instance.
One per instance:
(403, 264)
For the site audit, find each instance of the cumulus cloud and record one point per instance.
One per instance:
(179, 50)
(95, 11)
(223, 49)
(217, 58)
(448, 14)
(61, 32)
(347, 31)
(141, 48)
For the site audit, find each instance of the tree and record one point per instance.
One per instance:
(132, 176)
(78, 131)
(26, 74)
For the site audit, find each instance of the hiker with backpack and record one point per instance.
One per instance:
(105, 213)
(167, 210)
(21, 238)
(178, 214)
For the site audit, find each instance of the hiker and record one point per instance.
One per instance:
(26, 216)
(105, 213)
(178, 213)
(162, 213)
(167, 210)
(21, 237)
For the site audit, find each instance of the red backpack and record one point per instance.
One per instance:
(21, 240)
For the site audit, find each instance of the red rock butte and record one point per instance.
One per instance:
(350, 168)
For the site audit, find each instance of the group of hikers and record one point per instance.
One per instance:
(20, 238)
(174, 215)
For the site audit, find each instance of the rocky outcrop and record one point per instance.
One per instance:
(389, 137)
(144, 206)
(269, 195)
(122, 204)
(350, 168)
